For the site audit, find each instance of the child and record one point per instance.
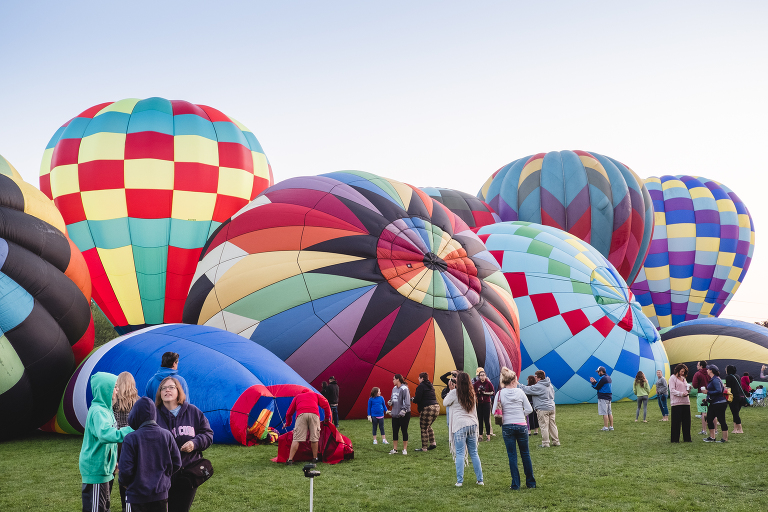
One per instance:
(98, 455)
(127, 394)
(148, 459)
(377, 407)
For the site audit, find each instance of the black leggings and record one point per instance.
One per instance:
(717, 411)
(681, 419)
(735, 408)
(401, 424)
(484, 415)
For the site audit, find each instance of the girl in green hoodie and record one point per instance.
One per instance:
(98, 455)
(642, 389)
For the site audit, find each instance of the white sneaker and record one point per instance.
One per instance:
(384, 441)
(610, 428)
(480, 483)
(375, 441)
(604, 429)
(405, 452)
(458, 484)
(393, 452)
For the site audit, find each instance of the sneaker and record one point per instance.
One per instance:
(420, 450)
(385, 441)
(604, 429)
(315, 460)
(433, 446)
(405, 452)
(481, 483)
(558, 444)
(535, 434)
(698, 416)
(703, 433)
(721, 441)
(393, 452)
(543, 446)
(375, 441)
(610, 428)
(289, 462)
(709, 440)
(458, 484)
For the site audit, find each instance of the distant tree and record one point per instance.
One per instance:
(104, 330)
(764, 323)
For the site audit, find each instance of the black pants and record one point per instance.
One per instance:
(96, 497)
(401, 424)
(152, 506)
(735, 407)
(181, 494)
(484, 415)
(717, 411)
(681, 417)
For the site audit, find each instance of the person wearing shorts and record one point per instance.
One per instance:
(604, 397)
(307, 407)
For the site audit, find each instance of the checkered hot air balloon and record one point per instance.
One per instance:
(594, 197)
(359, 277)
(701, 249)
(576, 312)
(141, 185)
(473, 211)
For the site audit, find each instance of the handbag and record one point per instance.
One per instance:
(198, 472)
(727, 393)
(498, 414)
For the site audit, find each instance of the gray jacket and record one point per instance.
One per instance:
(543, 395)
(661, 387)
(400, 401)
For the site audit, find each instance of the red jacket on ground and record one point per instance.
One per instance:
(307, 402)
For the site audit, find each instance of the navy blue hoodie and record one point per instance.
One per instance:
(189, 425)
(149, 456)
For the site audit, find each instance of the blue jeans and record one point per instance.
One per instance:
(518, 434)
(466, 438)
(663, 404)
(335, 415)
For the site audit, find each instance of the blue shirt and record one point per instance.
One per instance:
(603, 387)
(377, 407)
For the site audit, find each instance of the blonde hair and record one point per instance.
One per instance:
(507, 376)
(126, 392)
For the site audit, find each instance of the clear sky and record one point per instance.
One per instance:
(431, 93)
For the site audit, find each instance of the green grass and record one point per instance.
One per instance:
(103, 329)
(632, 468)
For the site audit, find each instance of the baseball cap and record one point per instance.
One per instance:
(600, 369)
(713, 368)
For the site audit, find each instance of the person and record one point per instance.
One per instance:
(148, 460)
(544, 404)
(333, 399)
(426, 403)
(763, 375)
(98, 454)
(679, 390)
(604, 397)
(717, 405)
(377, 408)
(463, 427)
(400, 405)
(699, 383)
(746, 380)
(169, 367)
(662, 390)
(533, 420)
(515, 407)
(324, 389)
(449, 379)
(739, 398)
(484, 392)
(641, 389)
(127, 394)
(306, 405)
(192, 433)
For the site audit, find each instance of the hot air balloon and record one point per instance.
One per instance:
(45, 317)
(231, 380)
(701, 249)
(576, 312)
(358, 277)
(594, 197)
(473, 211)
(141, 184)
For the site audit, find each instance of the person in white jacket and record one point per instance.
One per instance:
(463, 427)
(515, 407)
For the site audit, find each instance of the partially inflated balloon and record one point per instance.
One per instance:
(594, 197)
(701, 249)
(473, 211)
(359, 277)
(45, 316)
(141, 185)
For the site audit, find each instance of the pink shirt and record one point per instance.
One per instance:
(678, 390)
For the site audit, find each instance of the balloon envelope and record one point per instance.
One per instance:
(473, 211)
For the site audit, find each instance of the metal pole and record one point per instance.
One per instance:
(311, 492)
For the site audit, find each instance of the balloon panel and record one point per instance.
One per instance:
(474, 212)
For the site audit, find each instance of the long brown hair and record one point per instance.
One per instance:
(181, 398)
(126, 392)
(640, 379)
(465, 392)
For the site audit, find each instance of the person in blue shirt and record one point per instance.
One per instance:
(604, 397)
(377, 408)
(169, 367)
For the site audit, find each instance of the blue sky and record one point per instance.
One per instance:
(432, 93)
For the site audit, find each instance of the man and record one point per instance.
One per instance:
(307, 406)
(333, 399)
(700, 381)
(544, 403)
(169, 367)
(604, 397)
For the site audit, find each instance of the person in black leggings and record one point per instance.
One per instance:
(739, 398)
(484, 393)
(717, 405)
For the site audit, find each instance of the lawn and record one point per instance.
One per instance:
(633, 468)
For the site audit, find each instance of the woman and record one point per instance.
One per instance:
(717, 405)
(746, 380)
(739, 398)
(662, 390)
(426, 402)
(189, 426)
(515, 407)
(642, 389)
(463, 427)
(681, 404)
(400, 405)
(533, 420)
(484, 392)
(127, 395)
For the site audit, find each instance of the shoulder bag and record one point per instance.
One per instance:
(198, 472)
(498, 414)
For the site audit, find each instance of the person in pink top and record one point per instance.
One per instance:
(681, 404)
(307, 407)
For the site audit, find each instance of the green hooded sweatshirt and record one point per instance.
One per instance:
(98, 456)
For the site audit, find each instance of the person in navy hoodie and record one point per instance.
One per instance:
(189, 427)
(604, 397)
(148, 459)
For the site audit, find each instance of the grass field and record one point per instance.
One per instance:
(633, 468)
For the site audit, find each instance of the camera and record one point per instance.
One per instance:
(308, 471)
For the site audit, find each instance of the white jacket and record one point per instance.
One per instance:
(514, 405)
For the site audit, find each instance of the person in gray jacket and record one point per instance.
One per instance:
(662, 390)
(401, 412)
(544, 404)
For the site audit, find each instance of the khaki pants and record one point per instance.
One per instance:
(548, 428)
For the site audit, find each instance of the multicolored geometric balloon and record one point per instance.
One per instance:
(231, 380)
(141, 185)
(473, 211)
(359, 277)
(700, 253)
(576, 312)
(594, 197)
(45, 317)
